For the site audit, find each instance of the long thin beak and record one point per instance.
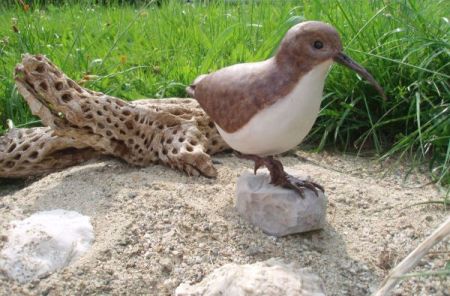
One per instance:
(348, 62)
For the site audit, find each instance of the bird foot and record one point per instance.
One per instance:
(279, 177)
(299, 185)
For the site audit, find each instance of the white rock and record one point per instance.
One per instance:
(268, 278)
(276, 210)
(44, 242)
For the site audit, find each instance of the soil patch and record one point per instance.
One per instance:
(156, 227)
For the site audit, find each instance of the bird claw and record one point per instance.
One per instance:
(258, 163)
(299, 186)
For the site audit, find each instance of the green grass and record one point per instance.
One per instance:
(155, 51)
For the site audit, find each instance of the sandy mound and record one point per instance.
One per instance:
(156, 227)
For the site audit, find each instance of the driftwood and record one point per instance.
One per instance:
(81, 124)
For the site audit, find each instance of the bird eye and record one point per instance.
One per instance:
(318, 44)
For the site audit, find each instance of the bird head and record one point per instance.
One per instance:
(311, 43)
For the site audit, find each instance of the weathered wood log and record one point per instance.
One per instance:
(36, 151)
(83, 123)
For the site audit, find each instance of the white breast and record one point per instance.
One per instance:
(284, 124)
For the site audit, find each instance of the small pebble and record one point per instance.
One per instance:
(132, 195)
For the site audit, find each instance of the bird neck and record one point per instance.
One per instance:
(296, 65)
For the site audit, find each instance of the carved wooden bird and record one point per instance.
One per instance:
(266, 108)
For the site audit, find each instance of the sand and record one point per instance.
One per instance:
(156, 227)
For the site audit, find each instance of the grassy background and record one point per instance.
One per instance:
(135, 51)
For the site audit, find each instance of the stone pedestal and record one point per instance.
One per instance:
(278, 211)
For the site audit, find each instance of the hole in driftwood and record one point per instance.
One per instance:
(70, 83)
(40, 68)
(43, 85)
(129, 124)
(74, 86)
(59, 85)
(66, 97)
(11, 148)
(88, 129)
(120, 148)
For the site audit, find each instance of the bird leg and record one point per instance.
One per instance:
(279, 177)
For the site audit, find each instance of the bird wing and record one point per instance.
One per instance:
(233, 95)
